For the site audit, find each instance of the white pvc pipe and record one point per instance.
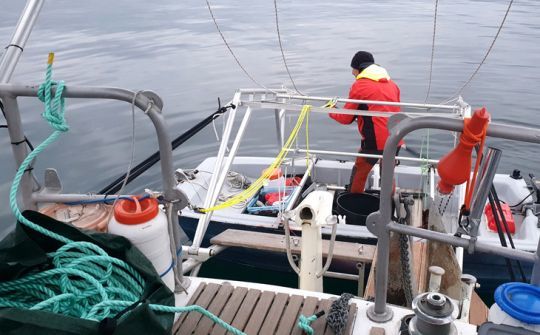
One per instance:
(311, 214)
(315, 209)
(311, 258)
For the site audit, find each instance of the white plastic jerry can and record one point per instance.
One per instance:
(145, 225)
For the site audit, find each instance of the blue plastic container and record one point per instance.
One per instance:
(253, 209)
(519, 300)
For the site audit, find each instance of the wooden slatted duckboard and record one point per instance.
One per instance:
(254, 311)
(347, 251)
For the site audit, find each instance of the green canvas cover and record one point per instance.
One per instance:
(25, 249)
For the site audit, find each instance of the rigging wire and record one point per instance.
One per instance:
(132, 151)
(231, 51)
(432, 50)
(281, 49)
(487, 52)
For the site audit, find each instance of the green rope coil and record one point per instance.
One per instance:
(85, 282)
(54, 114)
(304, 323)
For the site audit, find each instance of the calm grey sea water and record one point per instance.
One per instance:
(172, 47)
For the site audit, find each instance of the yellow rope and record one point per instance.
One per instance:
(307, 143)
(256, 185)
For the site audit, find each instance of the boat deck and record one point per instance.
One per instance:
(268, 309)
(254, 311)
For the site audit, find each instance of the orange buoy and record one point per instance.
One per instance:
(455, 168)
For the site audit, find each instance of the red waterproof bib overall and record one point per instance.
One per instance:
(373, 83)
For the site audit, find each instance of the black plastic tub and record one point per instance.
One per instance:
(357, 206)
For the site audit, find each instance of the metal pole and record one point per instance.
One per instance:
(368, 102)
(535, 277)
(379, 223)
(324, 110)
(189, 264)
(20, 150)
(296, 193)
(63, 198)
(432, 182)
(214, 192)
(344, 276)
(260, 91)
(280, 126)
(214, 187)
(483, 247)
(361, 275)
(8, 63)
(359, 154)
(380, 312)
(15, 48)
(232, 154)
(486, 173)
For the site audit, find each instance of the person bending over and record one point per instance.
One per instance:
(372, 82)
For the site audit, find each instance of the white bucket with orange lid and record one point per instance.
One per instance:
(145, 225)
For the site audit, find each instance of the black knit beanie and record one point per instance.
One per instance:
(361, 60)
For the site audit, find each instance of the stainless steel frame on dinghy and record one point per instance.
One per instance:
(279, 101)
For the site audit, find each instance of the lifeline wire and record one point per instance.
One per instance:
(281, 48)
(230, 49)
(85, 282)
(432, 50)
(487, 52)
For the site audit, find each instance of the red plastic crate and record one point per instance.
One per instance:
(507, 212)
